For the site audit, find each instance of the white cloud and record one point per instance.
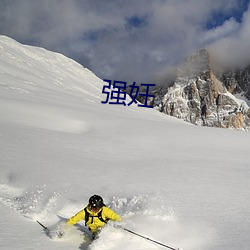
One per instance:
(97, 33)
(228, 28)
(233, 50)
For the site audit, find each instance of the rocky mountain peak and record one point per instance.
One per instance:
(199, 96)
(196, 64)
(237, 81)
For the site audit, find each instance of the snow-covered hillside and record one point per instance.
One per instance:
(179, 184)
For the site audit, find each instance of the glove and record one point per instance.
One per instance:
(62, 229)
(60, 234)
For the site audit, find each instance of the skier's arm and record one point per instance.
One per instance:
(77, 217)
(110, 214)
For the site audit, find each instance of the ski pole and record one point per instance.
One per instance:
(146, 238)
(45, 228)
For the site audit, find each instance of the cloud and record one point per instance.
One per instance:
(124, 40)
(228, 28)
(233, 49)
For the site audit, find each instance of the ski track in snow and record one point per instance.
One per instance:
(43, 117)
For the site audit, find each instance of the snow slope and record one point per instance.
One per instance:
(176, 183)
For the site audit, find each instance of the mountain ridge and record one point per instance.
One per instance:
(202, 96)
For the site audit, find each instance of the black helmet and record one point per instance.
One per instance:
(96, 202)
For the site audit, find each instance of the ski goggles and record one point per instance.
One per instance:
(94, 208)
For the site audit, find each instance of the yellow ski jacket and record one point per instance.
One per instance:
(94, 223)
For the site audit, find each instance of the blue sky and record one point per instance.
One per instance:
(218, 17)
(131, 40)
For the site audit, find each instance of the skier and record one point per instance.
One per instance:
(95, 214)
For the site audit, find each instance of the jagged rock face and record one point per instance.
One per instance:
(237, 81)
(197, 96)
